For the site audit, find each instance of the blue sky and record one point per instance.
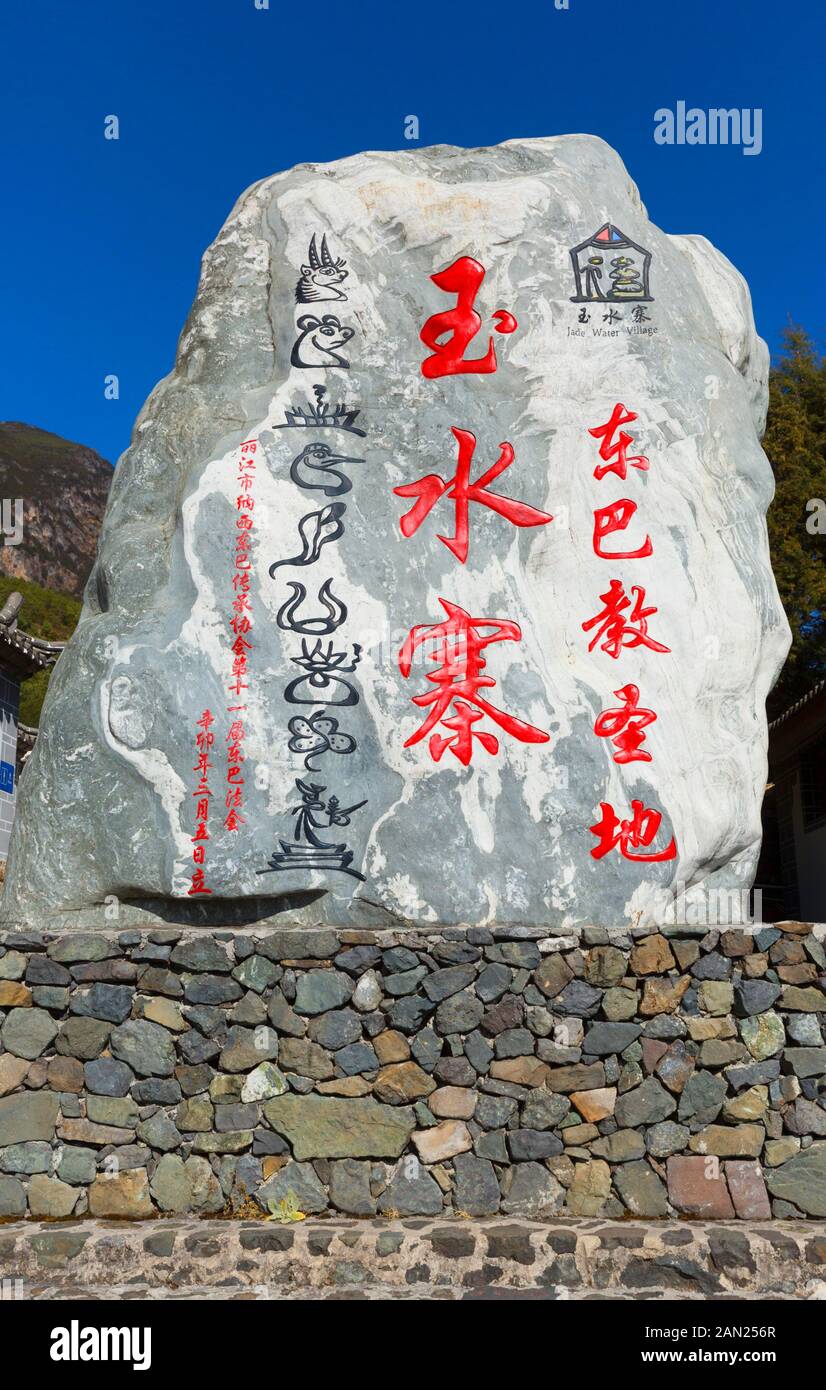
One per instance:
(101, 240)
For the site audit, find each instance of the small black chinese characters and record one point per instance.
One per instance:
(307, 850)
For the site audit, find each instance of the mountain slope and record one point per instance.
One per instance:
(64, 488)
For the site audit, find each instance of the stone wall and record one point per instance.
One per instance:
(673, 1073)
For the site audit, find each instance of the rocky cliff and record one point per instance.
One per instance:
(63, 487)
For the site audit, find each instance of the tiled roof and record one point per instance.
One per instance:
(25, 654)
(18, 649)
(798, 705)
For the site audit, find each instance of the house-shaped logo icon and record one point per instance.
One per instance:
(610, 268)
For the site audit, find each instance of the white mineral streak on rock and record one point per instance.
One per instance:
(152, 765)
(506, 839)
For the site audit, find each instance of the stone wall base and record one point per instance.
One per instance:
(631, 1075)
(495, 1258)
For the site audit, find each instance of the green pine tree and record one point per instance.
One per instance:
(795, 443)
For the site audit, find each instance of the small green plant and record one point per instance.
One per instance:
(286, 1210)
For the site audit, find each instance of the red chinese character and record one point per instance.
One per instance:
(641, 830)
(457, 647)
(624, 726)
(615, 517)
(614, 452)
(432, 486)
(619, 631)
(463, 279)
(198, 885)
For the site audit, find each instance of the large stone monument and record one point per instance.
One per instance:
(434, 587)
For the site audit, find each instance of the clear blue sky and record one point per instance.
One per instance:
(101, 240)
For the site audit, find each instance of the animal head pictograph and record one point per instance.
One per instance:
(319, 340)
(319, 279)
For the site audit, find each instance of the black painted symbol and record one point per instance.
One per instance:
(316, 467)
(317, 735)
(307, 850)
(287, 619)
(611, 268)
(321, 416)
(316, 530)
(320, 278)
(323, 672)
(319, 340)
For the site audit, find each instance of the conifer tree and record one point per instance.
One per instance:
(795, 443)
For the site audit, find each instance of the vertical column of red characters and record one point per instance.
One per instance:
(622, 623)
(457, 642)
(240, 626)
(204, 739)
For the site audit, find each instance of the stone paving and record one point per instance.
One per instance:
(497, 1258)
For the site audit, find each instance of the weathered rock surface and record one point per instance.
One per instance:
(504, 839)
(325, 1127)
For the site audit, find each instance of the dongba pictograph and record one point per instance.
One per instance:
(322, 276)
(323, 682)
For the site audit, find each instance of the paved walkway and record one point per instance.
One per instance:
(485, 1259)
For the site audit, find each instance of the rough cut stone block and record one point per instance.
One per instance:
(748, 1190)
(697, 1187)
(329, 1127)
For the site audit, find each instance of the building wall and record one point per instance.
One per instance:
(810, 855)
(9, 707)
